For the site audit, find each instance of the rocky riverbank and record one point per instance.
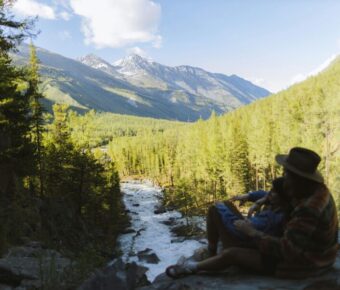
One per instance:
(32, 267)
(154, 240)
(120, 276)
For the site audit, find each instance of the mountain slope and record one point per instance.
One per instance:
(93, 83)
(229, 90)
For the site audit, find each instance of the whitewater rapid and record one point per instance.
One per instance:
(141, 199)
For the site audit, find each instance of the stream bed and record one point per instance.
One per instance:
(149, 241)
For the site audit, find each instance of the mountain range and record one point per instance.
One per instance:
(139, 86)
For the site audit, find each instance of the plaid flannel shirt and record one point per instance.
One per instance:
(310, 239)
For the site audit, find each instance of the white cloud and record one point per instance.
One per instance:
(64, 3)
(157, 43)
(118, 23)
(33, 8)
(65, 15)
(301, 77)
(136, 50)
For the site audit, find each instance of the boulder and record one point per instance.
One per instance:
(31, 266)
(148, 256)
(117, 276)
(13, 276)
(159, 209)
(128, 231)
(5, 287)
(170, 222)
(178, 240)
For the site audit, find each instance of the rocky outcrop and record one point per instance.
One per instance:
(118, 276)
(31, 267)
(242, 282)
(121, 276)
(235, 279)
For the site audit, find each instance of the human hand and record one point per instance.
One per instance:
(246, 227)
(254, 208)
(241, 198)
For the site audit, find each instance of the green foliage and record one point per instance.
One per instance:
(53, 187)
(82, 200)
(16, 147)
(97, 129)
(235, 153)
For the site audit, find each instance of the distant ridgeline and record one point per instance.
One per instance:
(138, 86)
(234, 153)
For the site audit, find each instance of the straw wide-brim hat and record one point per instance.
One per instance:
(303, 162)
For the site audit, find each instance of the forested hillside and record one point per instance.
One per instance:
(97, 129)
(234, 153)
(53, 188)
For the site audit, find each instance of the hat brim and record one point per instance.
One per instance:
(282, 160)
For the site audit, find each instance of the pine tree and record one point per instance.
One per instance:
(36, 115)
(16, 149)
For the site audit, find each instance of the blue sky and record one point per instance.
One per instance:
(272, 43)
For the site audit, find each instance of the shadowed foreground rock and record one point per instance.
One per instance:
(31, 267)
(234, 279)
(118, 276)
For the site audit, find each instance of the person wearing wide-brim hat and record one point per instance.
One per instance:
(310, 242)
(302, 162)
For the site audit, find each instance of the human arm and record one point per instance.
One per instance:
(242, 198)
(259, 202)
(257, 195)
(250, 196)
(296, 239)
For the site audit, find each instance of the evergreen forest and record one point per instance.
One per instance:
(52, 188)
(232, 154)
(60, 173)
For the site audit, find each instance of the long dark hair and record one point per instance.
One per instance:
(302, 187)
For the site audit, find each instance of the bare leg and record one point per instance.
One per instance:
(216, 230)
(246, 258)
(212, 230)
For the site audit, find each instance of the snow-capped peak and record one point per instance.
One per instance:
(94, 61)
(133, 59)
(132, 64)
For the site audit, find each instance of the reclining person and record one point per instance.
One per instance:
(309, 243)
(270, 220)
(222, 216)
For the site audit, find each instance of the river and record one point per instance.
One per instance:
(149, 230)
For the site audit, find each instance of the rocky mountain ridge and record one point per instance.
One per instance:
(140, 71)
(138, 86)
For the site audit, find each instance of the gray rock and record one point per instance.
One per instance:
(148, 256)
(178, 240)
(11, 275)
(5, 287)
(128, 231)
(237, 279)
(31, 266)
(118, 276)
(169, 222)
(159, 209)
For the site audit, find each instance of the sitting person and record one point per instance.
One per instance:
(309, 243)
(222, 216)
(270, 220)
